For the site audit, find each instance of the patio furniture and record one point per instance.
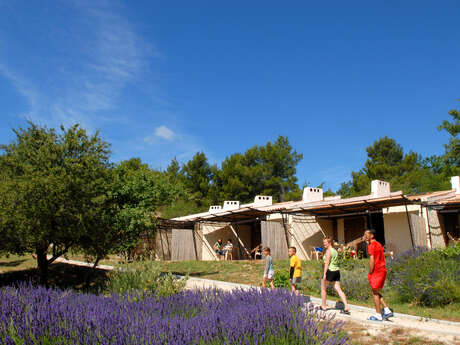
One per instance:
(389, 250)
(452, 239)
(317, 252)
(257, 251)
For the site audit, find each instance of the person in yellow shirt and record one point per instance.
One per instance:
(295, 273)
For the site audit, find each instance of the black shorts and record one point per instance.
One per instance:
(219, 252)
(333, 276)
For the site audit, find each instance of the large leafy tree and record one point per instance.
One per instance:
(198, 175)
(386, 161)
(135, 196)
(268, 170)
(53, 187)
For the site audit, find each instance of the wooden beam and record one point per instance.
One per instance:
(239, 240)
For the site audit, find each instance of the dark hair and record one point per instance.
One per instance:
(229, 240)
(267, 249)
(372, 231)
(293, 248)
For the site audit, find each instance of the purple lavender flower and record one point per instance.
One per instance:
(35, 314)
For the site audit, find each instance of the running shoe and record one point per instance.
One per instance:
(387, 315)
(374, 318)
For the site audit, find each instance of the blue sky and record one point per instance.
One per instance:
(164, 79)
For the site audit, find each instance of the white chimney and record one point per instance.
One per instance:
(231, 205)
(311, 194)
(263, 200)
(380, 189)
(455, 181)
(215, 208)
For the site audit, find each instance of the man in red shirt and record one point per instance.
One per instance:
(377, 275)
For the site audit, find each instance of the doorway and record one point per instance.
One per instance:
(375, 221)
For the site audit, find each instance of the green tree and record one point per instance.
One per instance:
(452, 154)
(267, 170)
(173, 171)
(280, 162)
(53, 185)
(387, 161)
(198, 176)
(134, 199)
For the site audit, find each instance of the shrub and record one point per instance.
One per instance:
(353, 279)
(355, 283)
(428, 278)
(143, 276)
(46, 316)
(281, 279)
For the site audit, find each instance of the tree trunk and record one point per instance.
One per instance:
(42, 263)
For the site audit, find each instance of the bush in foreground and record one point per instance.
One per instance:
(31, 315)
(144, 276)
(427, 278)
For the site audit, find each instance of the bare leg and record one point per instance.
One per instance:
(376, 298)
(382, 301)
(294, 289)
(341, 295)
(272, 285)
(264, 283)
(324, 284)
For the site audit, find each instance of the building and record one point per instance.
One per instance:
(402, 222)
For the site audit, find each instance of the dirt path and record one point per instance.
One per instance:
(368, 332)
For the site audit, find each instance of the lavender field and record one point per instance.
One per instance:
(36, 315)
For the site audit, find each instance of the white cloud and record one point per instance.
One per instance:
(164, 132)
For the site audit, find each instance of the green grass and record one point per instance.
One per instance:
(14, 269)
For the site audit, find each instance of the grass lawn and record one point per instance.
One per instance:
(15, 269)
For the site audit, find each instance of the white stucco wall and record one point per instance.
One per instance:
(397, 234)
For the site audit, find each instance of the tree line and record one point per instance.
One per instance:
(60, 191)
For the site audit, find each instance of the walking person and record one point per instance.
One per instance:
(295, 272)
(331, 275)
(377, 275)
(269, 272)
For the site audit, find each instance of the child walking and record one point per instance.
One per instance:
(269, 272)
(295, 272)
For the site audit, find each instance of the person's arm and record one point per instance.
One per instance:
(371, 264)
(327, 262)
(291, 272)
(267, 265)
(370, 252)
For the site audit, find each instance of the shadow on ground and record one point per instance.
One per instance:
(12, 263)
(63, 276)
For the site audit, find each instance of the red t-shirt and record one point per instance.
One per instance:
(376, 249)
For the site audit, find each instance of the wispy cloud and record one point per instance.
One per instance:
(80, 63)
(84, 83)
